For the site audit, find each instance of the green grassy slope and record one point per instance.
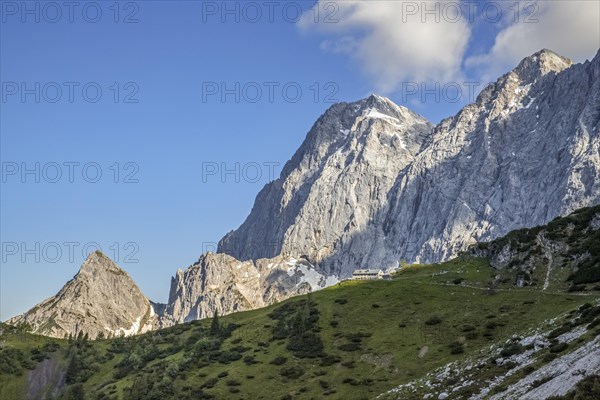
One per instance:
(354, 340)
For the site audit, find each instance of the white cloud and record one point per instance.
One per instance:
(569, 28)
(391, 46)
(389, 50)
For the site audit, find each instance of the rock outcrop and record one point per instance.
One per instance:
(219, 282)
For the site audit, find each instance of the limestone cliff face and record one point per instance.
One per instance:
(101, 298)
(334, 188)
(219, 282)
(374, 183)
(527, 151)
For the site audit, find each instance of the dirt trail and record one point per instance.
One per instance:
(47, 380)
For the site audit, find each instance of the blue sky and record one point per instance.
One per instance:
(162, 123)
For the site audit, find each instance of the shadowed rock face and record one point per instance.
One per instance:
(101, 298)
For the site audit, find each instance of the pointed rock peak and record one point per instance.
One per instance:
(381, 107)
(376, 100)
(541, 63)
(98, 262)
(379, 103)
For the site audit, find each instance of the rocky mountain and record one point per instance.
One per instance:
(100, 299)
(297, 220)
(374, 183)
(335, 185)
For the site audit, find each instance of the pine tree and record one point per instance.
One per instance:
(215, 328)
(75, 392)
(73, 369)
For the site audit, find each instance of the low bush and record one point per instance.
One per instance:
(279, 360)
(456, 348)
(433, 321)
(293, 372)
(559, 347)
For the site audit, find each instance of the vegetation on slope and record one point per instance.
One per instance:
(568, 246)
(355, 340)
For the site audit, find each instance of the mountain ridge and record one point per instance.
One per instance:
(375, 185)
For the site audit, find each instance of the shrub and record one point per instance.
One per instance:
(559, 331)
(352, 346)
(293, 372)
(512, 349)
(499, 389)
(576, 288)
(540, 382)
(456, 348)
(527, 370)
(471, 335)
(558, 348)
(229, 356)
(433, 321)
(492, 325)
(279, 360)
(306, 345)
(249, 360)
(328, 360)
(209, 383)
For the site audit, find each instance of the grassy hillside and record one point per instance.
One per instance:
(352, 341)
(563, 255)
(357, 339)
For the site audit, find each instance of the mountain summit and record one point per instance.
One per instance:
(334, 184)
(375, 183)
(100, 299)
